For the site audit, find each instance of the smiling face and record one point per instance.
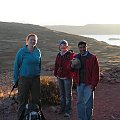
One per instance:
(63, 47)
(32, 41)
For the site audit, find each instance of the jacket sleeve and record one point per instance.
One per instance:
(40, 61)
(70, 62)
(95, 72)
(55, 67)
(73, 56)
(17, 64)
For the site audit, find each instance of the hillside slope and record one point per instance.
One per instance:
(12, 37)
(90, 29)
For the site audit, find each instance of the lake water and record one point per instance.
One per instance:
(110, 39)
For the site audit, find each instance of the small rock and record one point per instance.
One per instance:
(53, 109)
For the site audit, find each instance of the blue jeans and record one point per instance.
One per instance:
(85, 102)
(65, 90)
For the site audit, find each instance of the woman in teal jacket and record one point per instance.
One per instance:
(27, 68)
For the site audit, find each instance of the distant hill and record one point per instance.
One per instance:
(90, 29)
(12, 38)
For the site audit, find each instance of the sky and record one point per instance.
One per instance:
(60, 12)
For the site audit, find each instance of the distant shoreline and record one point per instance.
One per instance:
(110, 39)
(114, 39)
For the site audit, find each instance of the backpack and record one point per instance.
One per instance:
(32, 112)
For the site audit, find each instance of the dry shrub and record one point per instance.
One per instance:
(49, 91)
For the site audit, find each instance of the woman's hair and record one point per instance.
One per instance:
(29, 35)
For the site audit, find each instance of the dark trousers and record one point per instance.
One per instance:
(28, 91)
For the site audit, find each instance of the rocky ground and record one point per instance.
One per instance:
(106, 99)
(111, 76)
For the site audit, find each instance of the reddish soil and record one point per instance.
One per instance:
(106, 105)
(107, 102)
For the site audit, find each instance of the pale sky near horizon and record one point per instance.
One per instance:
(60, 12)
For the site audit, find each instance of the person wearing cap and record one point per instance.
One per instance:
(27, 69)
(64, 76)
(86, 76)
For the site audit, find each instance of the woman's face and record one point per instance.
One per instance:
(32, 41)
(63, 47)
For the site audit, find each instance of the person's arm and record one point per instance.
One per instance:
(70, 64)
(95, 73)
(55, 67)
(75, 63)
(17, 64)
(40, 62)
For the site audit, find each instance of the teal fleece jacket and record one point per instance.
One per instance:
(27, 64)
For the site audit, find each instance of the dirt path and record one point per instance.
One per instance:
(106, 105)
(107, 102)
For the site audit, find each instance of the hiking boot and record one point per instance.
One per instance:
(66, 115)
(61, 111)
